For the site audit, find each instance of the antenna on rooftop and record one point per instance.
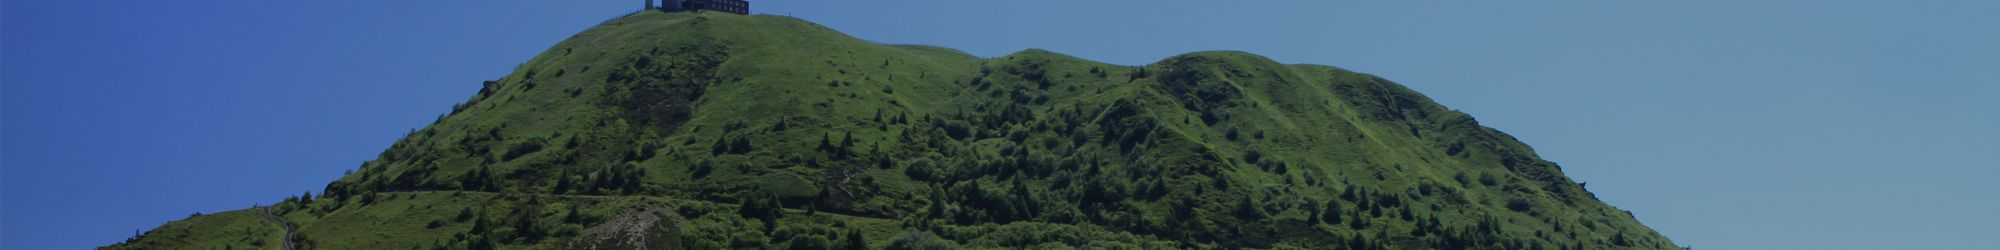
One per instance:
(739, 7)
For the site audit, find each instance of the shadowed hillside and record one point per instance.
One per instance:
(705, 131)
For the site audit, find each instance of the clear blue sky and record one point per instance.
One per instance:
(1722, 124)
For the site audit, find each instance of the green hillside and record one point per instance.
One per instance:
(708, 130)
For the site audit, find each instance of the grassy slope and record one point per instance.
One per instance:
(242, 229)
(1000, 152)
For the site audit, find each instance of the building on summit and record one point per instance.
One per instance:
(740, 7)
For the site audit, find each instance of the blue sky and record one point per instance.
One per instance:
(1722, 124)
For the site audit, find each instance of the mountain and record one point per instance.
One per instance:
(709, 130)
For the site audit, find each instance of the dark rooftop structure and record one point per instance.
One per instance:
(740, 7)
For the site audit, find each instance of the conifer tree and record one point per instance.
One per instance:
(1313, 212)
(1332, 214)
(855, 240)
(825, 143)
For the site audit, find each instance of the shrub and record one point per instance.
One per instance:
(1252, 156)
(463, 214)
(1247, 210)
(522, 148)
(921, 169)
(1519, 205)
(810, 242)
(854, 240)
(702, 170)
(740, 145)
(920, 240)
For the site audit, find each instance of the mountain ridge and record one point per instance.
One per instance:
(705, 130)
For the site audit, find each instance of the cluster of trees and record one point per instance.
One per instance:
(818, 238)
(625, 179)
(523, 147)
(738, 145)
(522, 223)
(841, 151)
(769, 211)
(480, 179)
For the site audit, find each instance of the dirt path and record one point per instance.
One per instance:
(281, 222)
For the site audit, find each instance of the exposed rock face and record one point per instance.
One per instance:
(637, 228)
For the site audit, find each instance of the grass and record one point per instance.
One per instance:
(240, 229)
(701, 112)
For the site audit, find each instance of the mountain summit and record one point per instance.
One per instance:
(707, 130)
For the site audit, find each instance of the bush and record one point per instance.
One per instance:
(702, 170)
(480, 242)
(1247, 210)
(810, 242)
(1252, 156)
(1519, 205)
(920, 240)
(522, 148)
(463, 214)
(854, 240)
(921, 169)
(739, 145)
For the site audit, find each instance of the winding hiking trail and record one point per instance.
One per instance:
(281, 222)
